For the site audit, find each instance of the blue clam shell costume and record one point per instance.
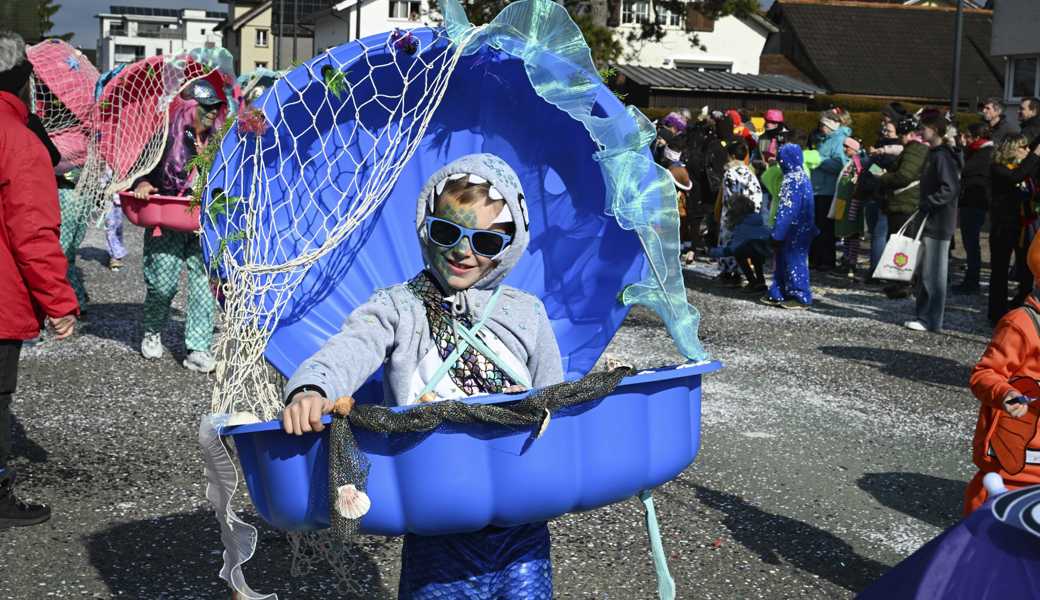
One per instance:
(604, 235)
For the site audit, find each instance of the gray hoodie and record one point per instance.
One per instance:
(391, 328)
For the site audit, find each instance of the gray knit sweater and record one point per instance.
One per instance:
(391, 328)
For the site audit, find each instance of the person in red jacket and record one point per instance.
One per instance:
(33, 285)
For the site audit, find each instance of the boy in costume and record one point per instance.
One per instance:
(1006, 440)
(473, 228)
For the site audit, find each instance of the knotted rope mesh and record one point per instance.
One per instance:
(129, 122)
(62, 96)
(298, 173)
(348, 466)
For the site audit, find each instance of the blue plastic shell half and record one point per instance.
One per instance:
(579, 258)
(463, 478)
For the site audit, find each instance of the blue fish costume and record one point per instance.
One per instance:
(794, 230)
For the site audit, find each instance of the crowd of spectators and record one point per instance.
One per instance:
(924, 176)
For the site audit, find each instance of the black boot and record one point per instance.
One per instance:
(15, 512)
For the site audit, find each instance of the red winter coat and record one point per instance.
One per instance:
(33, 269)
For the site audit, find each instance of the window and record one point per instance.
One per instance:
(635, 12)
(404, 9)
(261, 38)
(117, 28)
(260, 64)
(135, 50)
(158, 51)
(202, 31)
(149, 29)
(667, 17)
(1023, 77)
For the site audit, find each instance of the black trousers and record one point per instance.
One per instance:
(9, 351)
(750, 257)
(1005, 240)
(822, 251)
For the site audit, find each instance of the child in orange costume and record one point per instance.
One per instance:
(1014, 351)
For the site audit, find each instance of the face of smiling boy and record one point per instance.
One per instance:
(459, 266)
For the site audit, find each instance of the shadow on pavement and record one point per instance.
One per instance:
(121, 322)
(179, 556)
(93, 254)
(907, 365)
(776, 539)
(934, 500)
(23, 446)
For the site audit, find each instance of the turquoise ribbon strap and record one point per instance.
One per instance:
(640, 194)
(463, 345)
(665, 583)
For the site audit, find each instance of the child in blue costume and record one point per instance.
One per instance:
(793, 233)
(473, 228)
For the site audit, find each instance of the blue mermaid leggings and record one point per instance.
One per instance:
(496, 563)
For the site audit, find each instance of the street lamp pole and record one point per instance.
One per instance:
(957, 35)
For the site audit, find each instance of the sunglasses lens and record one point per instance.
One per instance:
(444, 233)
(487, 244)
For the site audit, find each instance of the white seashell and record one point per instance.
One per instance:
(477, 179)
(351, 503)
(545, 424)
(494, 194)
(456, 176)
(242, 418)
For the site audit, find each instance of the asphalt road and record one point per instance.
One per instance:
(834, 443)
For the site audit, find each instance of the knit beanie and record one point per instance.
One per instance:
(15, 68)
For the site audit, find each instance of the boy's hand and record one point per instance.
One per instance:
(304, 413)
(1016, 410)
(514, 389)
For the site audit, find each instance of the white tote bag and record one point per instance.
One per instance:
(901, 254)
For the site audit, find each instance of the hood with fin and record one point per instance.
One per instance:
(790, 158)
(504, 183)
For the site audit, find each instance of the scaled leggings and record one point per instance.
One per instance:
(165, 256)
(73, 230)
(791, 275)
(496, 563)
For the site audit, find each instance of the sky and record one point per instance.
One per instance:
(77, 16)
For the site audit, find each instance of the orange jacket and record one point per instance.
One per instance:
(1013, 351)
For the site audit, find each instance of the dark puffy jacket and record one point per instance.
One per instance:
(940, 189)
(1008, 198)
(902, 184)
(1030, 128)
(975, 178)
(32, 265)
(1003, 130)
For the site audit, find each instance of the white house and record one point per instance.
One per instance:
(729, 44)
(1015, 23)
(129, 33)
(344, 21)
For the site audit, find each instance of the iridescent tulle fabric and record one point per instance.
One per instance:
(640, 194)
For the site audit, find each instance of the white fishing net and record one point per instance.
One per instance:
(130, 121)
(62, 96)
(297, 175)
